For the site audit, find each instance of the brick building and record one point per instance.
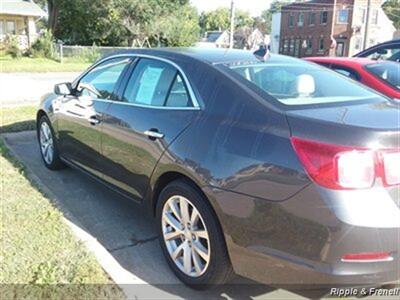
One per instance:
(321, 28)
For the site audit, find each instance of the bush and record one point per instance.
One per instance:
(12, 46)
(44, 46)
(90, 54)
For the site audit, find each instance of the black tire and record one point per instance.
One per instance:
(219, 270)
(55, 163)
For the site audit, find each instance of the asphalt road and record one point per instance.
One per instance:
(28, 88)
(123, 228)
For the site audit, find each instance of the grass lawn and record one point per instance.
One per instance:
(37, 249)
(26, 64)
(16, 119)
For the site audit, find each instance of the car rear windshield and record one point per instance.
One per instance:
(386, 71)
(301, 83)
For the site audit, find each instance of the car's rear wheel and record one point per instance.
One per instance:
(191, 237)
(48, 145)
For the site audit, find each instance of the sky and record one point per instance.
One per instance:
(254, 7)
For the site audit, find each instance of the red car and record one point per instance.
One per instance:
(382, 76)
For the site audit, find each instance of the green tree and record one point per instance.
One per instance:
(392, 10)
(266, 15)
(219, 19)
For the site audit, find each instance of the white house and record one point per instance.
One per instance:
(380, 27)
(18, 18)
(275, 32)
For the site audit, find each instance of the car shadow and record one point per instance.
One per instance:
(122, 227)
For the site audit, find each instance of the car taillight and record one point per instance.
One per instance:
(343, 167)
(391, 167)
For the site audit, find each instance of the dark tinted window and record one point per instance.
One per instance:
(386, 71)
(346, 72)
(178, 96)
(156, 83)
(104, 77)
(391, 53)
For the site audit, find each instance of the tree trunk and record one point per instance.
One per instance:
(53, 11)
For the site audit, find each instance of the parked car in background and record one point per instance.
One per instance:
(270, 167)
(382, 76)
(385, 51)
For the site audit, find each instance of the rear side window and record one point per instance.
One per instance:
(302, 83)
(346, 72)
(158, 84)
(386, 71)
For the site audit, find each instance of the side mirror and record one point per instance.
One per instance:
(63, 89)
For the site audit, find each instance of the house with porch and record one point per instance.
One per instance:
(18, 18)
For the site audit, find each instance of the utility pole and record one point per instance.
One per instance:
(333, 29)
(232, 24)
(365, 43)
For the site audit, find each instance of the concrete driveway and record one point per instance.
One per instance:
(124, 230)
(28, 88)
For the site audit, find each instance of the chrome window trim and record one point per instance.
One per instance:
(193, 98)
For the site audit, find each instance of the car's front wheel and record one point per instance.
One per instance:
(191, 237)
(48, 145)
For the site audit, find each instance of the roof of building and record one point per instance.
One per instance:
(213, 36)
(304, 5)
(21, 8)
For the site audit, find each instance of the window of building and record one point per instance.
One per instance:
(361, 15)
(291, 20)
(324, 17)
(1, 27)
(291, 47)
(285, 46)
(309, 46)
(358, 43)
(343, 16)
(311, 19)
(300, 20)
(10, 27)
(374, 17)
(321, 45)
(340, 49)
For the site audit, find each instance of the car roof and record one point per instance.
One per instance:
(208, 55)
(341, 60)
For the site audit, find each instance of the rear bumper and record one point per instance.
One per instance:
(301, 241)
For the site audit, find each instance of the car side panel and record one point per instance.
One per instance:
(238, 143)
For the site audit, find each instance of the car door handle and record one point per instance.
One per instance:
(152, 134)
(93, 120)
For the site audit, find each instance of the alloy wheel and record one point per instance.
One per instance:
(46, 143)
(186, 236)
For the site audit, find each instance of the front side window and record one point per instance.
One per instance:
(302, 83)
(324, 17)
(10, 27)
(343, 16)
(386, 71)
(391, 53)
(104, 77)
(156, 83)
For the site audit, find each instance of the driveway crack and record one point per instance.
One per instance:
(135, 242)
